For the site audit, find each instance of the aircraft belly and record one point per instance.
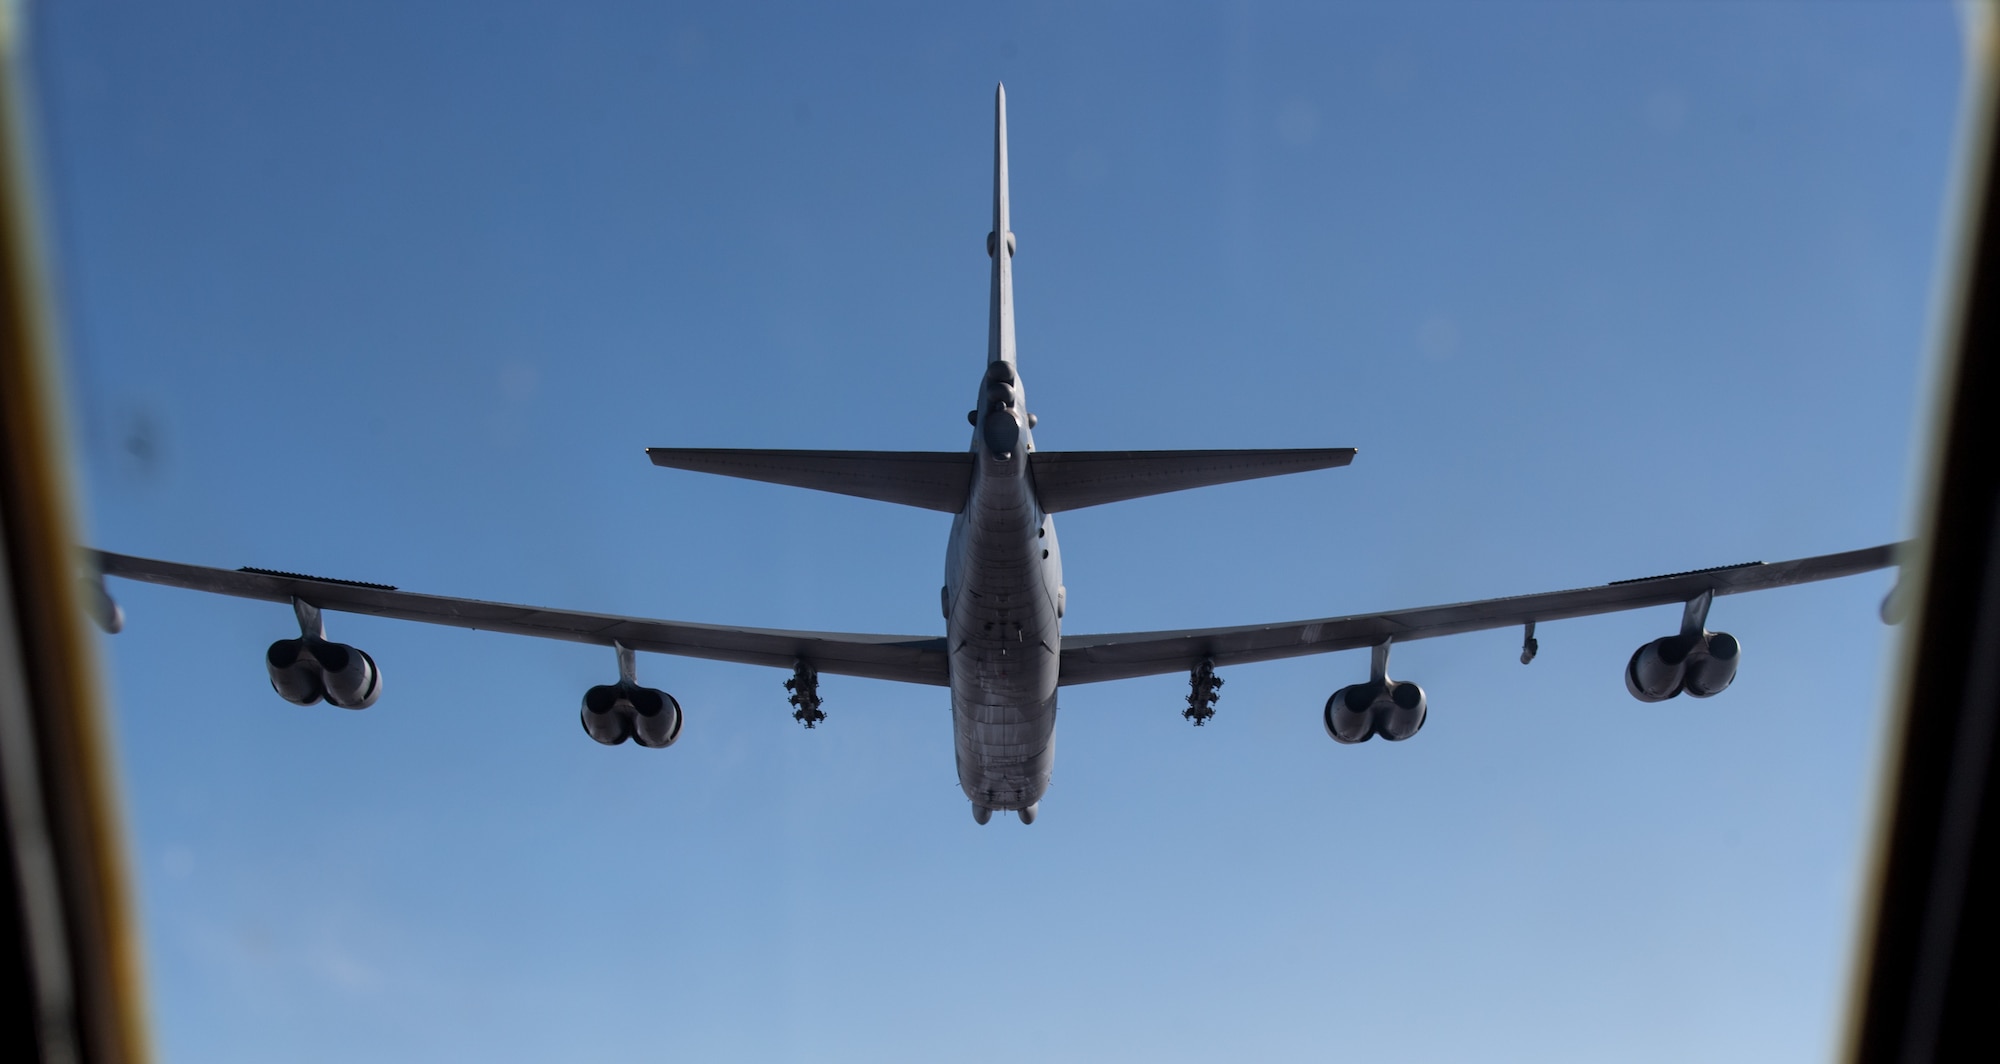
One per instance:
(1005, 640)
(1005, 764)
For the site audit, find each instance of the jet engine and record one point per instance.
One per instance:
(307, 669)
(349, 675)
(613, 713)
(1698, 661)
(1348, 717)
(1713, 669)
(603, 718)
(1403, 715)
(1702, 665)
(657, 718)
(1659, 669)
(294, 674)
(1392, 709)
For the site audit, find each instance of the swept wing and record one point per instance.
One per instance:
(1093, 658)
(922, 659)
(908, 658)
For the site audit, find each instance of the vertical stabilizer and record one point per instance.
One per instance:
(1000, 245)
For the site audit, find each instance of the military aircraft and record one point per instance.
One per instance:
(1003, 653)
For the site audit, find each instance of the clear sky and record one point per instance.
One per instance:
(400, 291)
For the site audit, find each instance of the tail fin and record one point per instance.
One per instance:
(1000, 246)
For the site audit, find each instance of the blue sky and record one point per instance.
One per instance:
(400, 292)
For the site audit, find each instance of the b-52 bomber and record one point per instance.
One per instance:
(1003, 653)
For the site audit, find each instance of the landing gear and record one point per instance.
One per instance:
(981, 814)
(1028, 814)
(804, 686)
(1204, 688)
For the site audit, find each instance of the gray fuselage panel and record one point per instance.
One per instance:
(1003, 578)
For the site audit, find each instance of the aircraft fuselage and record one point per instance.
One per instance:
(1003, 604)
(1003, 590)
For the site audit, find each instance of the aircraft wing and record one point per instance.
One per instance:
(1094, 658)
(908, 658)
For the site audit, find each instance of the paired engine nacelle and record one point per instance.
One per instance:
(307, 669)
(1392, 709)
(613, 713)
(1701, 664)
(1697, 661)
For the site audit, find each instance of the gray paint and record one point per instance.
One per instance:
(942, 480)
(1003, 567)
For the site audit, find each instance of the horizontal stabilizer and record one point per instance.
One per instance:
(934, 480)
(1069, 480)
